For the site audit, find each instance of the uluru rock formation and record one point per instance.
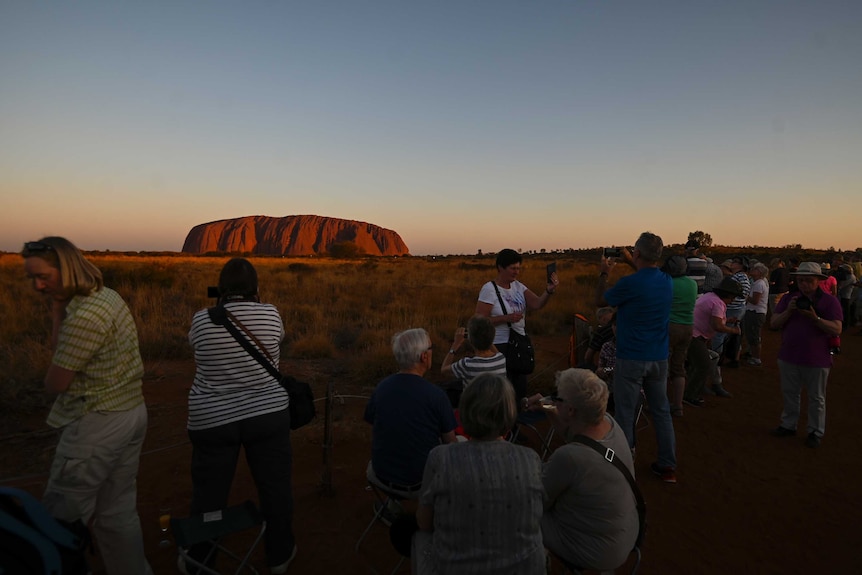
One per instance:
(292, 236)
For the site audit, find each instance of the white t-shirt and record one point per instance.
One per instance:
(515, 302)
(759, 286)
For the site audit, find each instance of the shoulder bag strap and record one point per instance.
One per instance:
(610, 455)
(221, 316)
(502, 305)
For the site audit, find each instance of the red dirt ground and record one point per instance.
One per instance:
(746, 502)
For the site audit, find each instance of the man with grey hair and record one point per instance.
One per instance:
(591, 516)
(410, 416)
(643, 301)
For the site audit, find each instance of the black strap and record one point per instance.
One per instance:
(610, 455)
(219, 316)
(502, 305)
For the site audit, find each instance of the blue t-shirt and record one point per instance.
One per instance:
(409, 414)
(643, 302)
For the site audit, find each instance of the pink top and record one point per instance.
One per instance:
(708, 305)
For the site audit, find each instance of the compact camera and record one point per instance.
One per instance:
(613, 252)
(803, 302)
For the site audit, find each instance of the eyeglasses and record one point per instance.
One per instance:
(37, 247)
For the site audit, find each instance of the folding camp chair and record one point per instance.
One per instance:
(213, 527)
(527, 430)
(385, 499)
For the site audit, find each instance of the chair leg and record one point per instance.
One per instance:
(377, 514)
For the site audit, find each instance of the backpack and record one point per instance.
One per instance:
(32, 541)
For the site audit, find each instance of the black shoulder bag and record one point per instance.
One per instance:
(520, 357)
(301, 398)
(610, 455)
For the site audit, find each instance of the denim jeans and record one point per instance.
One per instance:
(630, 376)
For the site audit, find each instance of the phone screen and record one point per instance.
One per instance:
(551, 268)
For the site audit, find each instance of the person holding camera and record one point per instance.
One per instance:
(643, 301)
(808, 319)
(235, 404)
(506, 290)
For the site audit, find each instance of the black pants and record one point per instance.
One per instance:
(215, 452)
(518, 380)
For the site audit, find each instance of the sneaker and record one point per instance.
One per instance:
(280, 569)
(754, 361)
(721, 392)
(812, 441)
(387, 516)
(783, 432)
(694, 402)
(667, 474)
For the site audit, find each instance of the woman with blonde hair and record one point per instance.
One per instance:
(481, 502)
(96, 372)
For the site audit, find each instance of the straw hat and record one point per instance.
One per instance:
(809, 269)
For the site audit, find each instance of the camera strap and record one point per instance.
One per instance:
(220, 315)
(502, 305)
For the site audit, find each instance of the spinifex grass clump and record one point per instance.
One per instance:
(346, 311)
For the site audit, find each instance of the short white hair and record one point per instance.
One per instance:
(409, 345)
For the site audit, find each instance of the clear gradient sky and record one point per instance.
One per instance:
(462, 125)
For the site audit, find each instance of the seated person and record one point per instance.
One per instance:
(608, 355)
(607, 363)
(410, 416)
(486, 358)
(602, 334)
(591, 517)
(481, 503)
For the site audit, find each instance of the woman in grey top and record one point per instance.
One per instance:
(481, 502)
(591, 518)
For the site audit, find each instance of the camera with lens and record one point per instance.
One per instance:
(803, 302)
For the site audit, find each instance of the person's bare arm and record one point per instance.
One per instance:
(484, 309)
(449, 437)
(58, 379)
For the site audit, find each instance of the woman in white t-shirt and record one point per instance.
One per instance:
(755, 311)
(517, 298)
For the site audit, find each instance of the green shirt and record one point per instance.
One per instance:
(684, 296)
(99, 341)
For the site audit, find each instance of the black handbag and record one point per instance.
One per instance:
(301, 398)
(520, 356)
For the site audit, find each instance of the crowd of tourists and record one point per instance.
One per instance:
(479, 502)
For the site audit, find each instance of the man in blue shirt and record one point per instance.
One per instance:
(643, 302)
(410, 416)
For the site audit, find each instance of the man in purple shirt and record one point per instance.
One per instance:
(807, 318)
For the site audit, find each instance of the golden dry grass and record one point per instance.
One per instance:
(346, 310)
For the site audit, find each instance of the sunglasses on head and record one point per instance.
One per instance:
(37, 247)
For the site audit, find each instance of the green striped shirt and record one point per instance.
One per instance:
(99, 341)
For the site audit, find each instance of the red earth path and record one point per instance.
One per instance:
(746, 502)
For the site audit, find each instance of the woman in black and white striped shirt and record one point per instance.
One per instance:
(234, 402)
